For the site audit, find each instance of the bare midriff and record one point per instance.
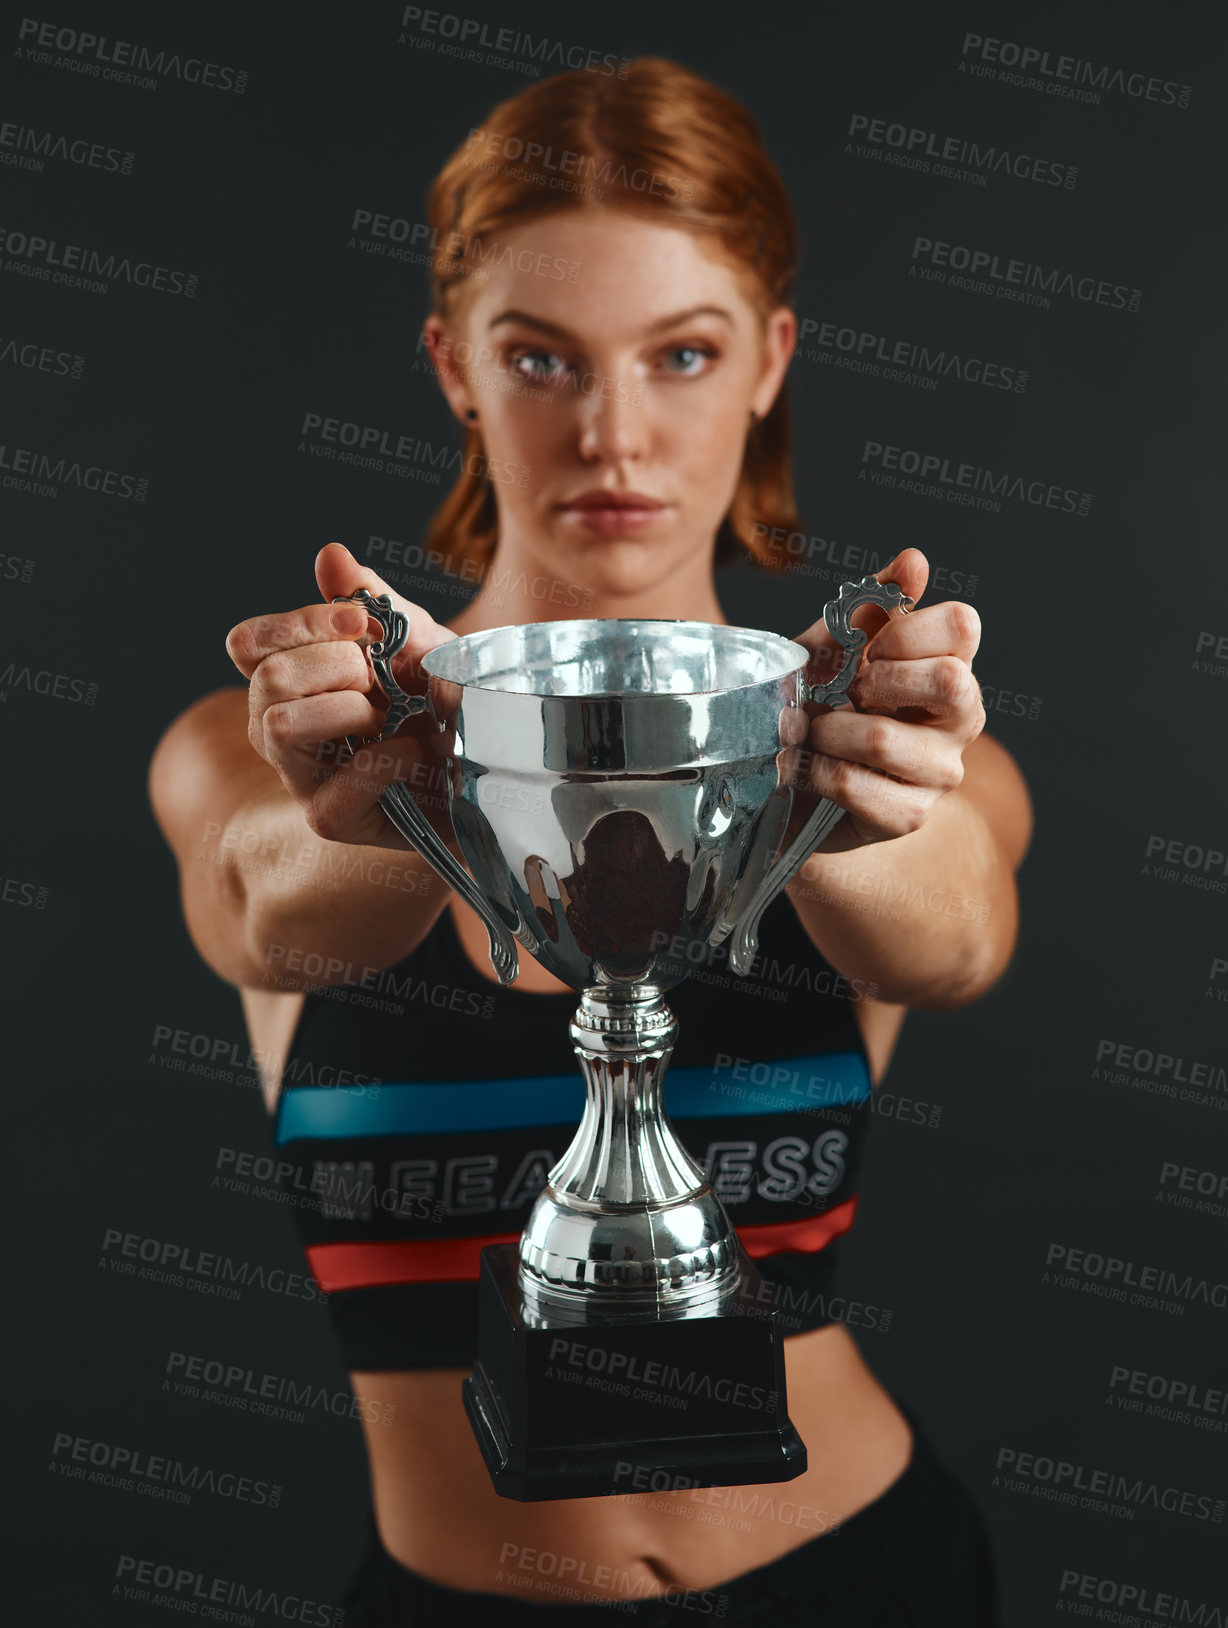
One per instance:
(439, 1514)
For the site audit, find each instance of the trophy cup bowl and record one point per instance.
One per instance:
(620, 794)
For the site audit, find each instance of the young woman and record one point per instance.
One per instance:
(626, 432)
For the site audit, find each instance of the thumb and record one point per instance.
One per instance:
(909, 570)
(340, 575)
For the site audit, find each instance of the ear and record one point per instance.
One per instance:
(779, 343)
(442, 348)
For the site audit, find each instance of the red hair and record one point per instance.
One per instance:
(662, 141)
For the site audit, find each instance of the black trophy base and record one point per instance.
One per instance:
(592, 1405)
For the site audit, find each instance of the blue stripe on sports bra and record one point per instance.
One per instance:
(829, 1079)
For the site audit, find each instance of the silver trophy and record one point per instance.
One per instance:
(620, 792)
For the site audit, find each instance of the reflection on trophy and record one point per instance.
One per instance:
(621, 789)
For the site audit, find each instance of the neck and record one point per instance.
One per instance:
(517, 588)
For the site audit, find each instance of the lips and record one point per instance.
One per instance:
(625, 515)
(612, 500)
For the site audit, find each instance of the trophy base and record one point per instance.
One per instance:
(596, 1402)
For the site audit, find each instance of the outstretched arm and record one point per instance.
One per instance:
(914, 891)
(930, 917)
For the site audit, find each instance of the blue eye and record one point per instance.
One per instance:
(539, 366)
(696, 353)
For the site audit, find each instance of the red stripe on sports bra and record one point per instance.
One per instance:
(810, 1236)
(364, 1266)
(368, 1266)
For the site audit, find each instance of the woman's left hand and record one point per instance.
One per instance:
(918, 708)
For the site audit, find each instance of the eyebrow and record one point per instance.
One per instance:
(556, 331)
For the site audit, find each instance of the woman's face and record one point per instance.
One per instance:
(633, 382)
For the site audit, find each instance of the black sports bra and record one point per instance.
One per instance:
(473, 1092)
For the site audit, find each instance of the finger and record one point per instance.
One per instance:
(941, 686)
(293, 732)
(949, 629)
(345, 807)
(250, 642)
(917, 756)
(312, 669)
(339, 573)
(880, 807)
(909, 570)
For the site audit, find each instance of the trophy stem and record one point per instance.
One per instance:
(625, 1151)
(626, 1209)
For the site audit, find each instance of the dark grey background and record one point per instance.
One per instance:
(1093, 621)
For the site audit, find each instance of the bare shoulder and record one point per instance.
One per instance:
(995, 783)
(203, 758)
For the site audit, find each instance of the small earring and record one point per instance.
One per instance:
(753, 415)
(471, 413)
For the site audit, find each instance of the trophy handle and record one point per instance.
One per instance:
(744, 945)
(397, 801)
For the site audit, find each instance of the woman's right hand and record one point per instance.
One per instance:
(312, 683)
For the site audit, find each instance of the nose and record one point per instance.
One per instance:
(613, 420)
